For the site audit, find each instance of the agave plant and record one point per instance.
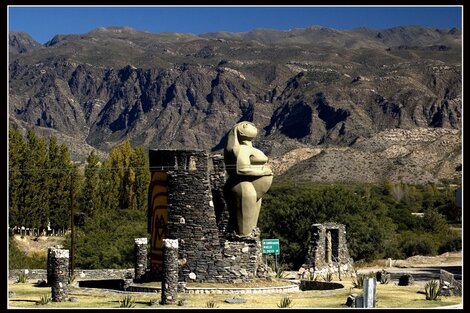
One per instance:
(329, 276)
(211, 304)
(280, 272)
(433, 290)
(285, 302)
(22, 277)
(127, 302)
(45, 299)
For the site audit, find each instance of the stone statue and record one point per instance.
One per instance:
(248, 178)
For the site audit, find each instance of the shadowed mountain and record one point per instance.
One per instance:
(302, 87)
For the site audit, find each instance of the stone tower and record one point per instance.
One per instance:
(186, 203)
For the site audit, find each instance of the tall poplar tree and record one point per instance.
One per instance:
(35, 212)
(16, 150)
(91, 199)
(140, 164)
(59, 171)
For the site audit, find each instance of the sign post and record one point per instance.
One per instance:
(271, 246)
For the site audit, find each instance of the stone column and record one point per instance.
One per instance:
(49, 266)
(369, 292)
(140, 258)
(170, 271)
(59, 274)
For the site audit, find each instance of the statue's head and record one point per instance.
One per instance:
(246, 130)
(241, 131)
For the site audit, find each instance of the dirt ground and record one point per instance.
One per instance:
(445, 259)
(37, 245)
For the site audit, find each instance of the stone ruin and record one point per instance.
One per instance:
(328, 251)
(186, 203)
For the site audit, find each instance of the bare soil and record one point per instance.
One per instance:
(37, 246)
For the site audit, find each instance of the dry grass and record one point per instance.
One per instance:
(37, 246)
(388, 296)
(448, 258)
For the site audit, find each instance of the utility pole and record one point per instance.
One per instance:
(72, 226)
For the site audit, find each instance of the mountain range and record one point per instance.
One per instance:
(330, 105)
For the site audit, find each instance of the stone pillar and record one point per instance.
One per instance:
(59, 274)
(370, 285)
(170, 271)
(140, 258)
(49, 266)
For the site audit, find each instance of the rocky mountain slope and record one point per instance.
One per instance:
(313, 88)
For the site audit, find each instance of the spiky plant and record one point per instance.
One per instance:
(45, 299)
(329, 276)
(211, 304)
(127, 302)
(22, 278)
(433, 290)
(286, 302)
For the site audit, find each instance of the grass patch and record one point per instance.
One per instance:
(388, 296)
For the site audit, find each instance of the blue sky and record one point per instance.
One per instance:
(44, 22)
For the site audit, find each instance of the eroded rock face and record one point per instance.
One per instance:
(316, 86)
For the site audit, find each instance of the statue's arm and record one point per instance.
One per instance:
(244, 166)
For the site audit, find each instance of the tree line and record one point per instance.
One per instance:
(378, 218)
(44, 182)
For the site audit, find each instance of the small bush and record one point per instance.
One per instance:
(211, 304)
(358, 281)
(127, 302)
(405, 280)
(329, 276)
(182, 302)
(45, 299)
(383, 277)
(452, 244)
(72, 279)
(312, 276)
(22, 278)
(285, 302)
(432, 289)
(419, 245)
(280, 272)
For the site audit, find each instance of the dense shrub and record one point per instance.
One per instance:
(451, 244)
(378, 219)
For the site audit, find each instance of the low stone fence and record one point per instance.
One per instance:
(455, 285)
(79, 274)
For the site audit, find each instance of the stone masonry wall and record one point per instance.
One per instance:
(205, 251)
(317, 252)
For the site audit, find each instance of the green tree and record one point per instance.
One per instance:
(109, 187)
(16, 149)
(59, 171)
(91, 199)
(35, 212)
(123, 162)
(142, 177)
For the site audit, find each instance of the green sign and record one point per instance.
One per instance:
(270, 246)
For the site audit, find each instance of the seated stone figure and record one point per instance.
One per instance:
(249, 178)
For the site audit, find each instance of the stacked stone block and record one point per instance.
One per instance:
(140, 251)
(317, 256)
(59, 267)
(170, 271)
(197, 217)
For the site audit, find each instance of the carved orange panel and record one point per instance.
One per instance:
(159, 206)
